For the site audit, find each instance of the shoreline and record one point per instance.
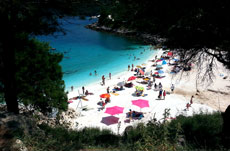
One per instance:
(115, 76)
(144, 37)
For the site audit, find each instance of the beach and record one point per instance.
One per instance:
(185, 84)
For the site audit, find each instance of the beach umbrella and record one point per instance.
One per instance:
(160, 71)
(131, 78)
(70, 101)
(121, 83)
(139, 88)
(141, 103)
(159, 65)
(109, 120)
(114, 110)
(141, 71)
(138, 66)
(106, 95)
(164, 62)
(176, 59)
(156, 73)
(170, 53)
(146, 79)
(158, 60)
(147, 73)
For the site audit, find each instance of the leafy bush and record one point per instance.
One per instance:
(201, 130)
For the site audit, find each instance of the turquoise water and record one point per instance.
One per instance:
(86, 50)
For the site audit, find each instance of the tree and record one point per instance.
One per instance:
(21, 19)
(193, 28)
(39, 77)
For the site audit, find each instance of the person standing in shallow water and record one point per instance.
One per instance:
(103, 80)
(110, 76)
(128, 67)
(95, 72)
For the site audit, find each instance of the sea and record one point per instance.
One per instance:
(86, 51)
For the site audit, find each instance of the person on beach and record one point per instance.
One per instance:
(172, 88)
(155, 86)
(83, 90)
(103, 80)
(130, 114)
(72, 88)
(86, 92)
(154, 79)
(132, 67)
(110, 76)
(149, 84)
(187, 106)
(95, 72)
(156, 57)
(191, 100)
(160, 86)
(164, 94)
(128, 67)
(160, 94)
(107, 100)
(108, 90)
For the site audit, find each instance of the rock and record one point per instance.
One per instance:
(18, 146)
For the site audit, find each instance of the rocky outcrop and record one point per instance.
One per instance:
(144, 37)
(13, 127)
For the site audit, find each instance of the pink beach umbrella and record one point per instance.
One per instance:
(141, 103)
(141, 71)
(109, 120)
(114, 110)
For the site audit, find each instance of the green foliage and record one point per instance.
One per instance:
(39, 77)
(69, 140)
(201, 131)
(190, 26)
(198, 132)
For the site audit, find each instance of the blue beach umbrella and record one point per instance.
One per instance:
(164, 62)
(160, 71)
(175, 59)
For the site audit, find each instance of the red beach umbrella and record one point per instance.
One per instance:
(141, 103)
(131, 78)
(114, 110)
(170, 53)
(106, 95)
(109, 120)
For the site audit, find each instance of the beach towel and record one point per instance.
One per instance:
(116, 94)
(83, 98)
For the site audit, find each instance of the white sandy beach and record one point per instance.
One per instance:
(206, 100)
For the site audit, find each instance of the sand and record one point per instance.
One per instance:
(211, 98)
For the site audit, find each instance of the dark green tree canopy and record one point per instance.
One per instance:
(30, 74)
(39, 77)
(189, 27)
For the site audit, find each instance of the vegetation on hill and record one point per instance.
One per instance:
(193, 28)
(198, 132)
